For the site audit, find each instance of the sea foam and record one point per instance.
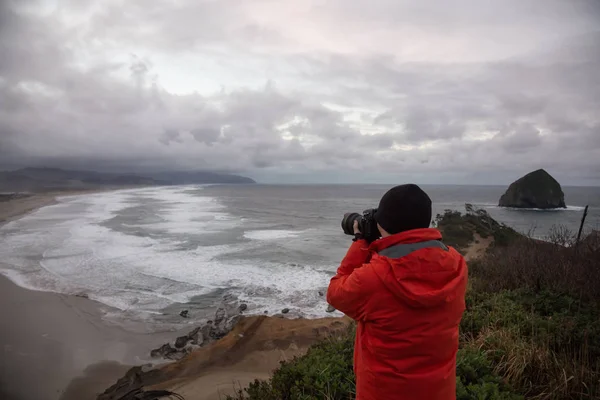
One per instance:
(267, 234)
(84, 244)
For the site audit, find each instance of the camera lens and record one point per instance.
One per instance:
(348, 222)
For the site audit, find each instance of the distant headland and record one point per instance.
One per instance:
(51, 179)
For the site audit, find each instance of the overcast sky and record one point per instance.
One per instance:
(304, 91)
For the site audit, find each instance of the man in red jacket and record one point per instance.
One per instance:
(406, 290)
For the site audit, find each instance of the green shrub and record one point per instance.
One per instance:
(557, 321)
(325, 372)
(459, 229)
(504, 236)
(475, 378)
(543, 343)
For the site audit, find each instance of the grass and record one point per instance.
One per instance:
(531, 328)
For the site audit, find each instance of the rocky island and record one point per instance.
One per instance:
(537, 189)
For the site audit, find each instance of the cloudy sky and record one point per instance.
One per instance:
(451, 91)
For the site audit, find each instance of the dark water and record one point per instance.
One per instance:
(323, 206)
(152, 252)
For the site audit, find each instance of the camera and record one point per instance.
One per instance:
(366, 224)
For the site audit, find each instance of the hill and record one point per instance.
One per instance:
(191, 177)
(45, 179)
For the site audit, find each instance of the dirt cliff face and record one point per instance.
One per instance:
(251, 350)
(538, 189)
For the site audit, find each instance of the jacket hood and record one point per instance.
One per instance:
(424, 278)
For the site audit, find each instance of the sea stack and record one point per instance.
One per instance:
(537, 189)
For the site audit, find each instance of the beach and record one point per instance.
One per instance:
(57, 346)
(17, 207)
(50, 339)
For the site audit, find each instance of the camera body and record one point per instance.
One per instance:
(366, 224)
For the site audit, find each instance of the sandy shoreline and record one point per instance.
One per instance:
(51, 339)
(58, 347)
(55, 346)
(16, 208)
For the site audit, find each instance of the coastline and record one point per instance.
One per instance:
(62, 344)
(57, 346)
(13, 209)
(18, 207)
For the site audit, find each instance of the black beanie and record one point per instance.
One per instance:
(403, 208)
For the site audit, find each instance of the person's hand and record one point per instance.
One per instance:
(356, 228)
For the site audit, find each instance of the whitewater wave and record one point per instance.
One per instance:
(270, 234)
(569, 208)
(143, 264)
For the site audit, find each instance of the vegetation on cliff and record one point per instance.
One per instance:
(530, 329)
(460, 230)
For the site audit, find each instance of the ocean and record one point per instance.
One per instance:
(150, 253)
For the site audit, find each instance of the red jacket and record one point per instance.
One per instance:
(408, 311)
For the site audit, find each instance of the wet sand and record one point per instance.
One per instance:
(49, 339)
(13, 207)
(58, 347)
(55, 346)
(17, 207)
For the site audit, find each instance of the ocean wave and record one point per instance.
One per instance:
(73, 248)
(270, 234)
(569, 208)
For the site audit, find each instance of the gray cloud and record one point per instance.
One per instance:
(520, 139)
(399, 87)
(169, 136)
(206, 135)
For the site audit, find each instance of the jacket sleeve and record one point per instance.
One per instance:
(349, 290)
